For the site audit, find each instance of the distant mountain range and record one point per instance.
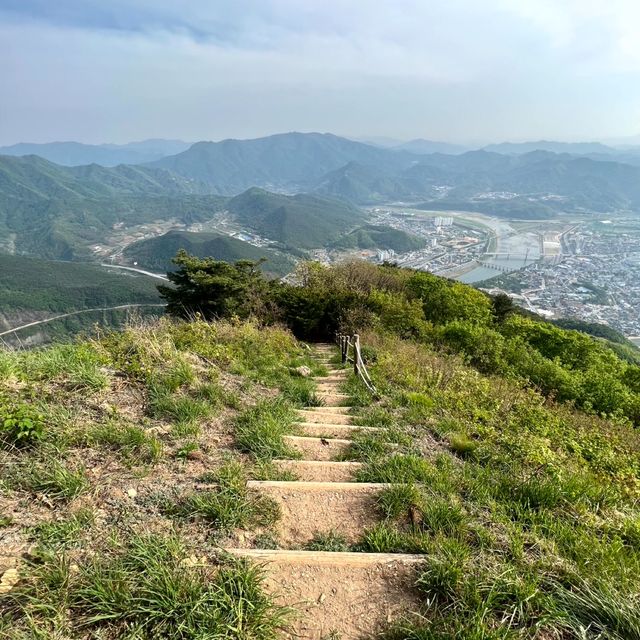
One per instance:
(58, 212)
(73, 154)
(301, 191)
(290, 162)
(574, 148)
(418, 145)
(559, 181)
(423, 147)
(361, 173)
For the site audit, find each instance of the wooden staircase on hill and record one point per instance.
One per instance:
(346, 595)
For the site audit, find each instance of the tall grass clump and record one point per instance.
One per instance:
(259, 430)
(146, 587)
(132, 443)
(228, 504)
(78, 366)
(55, 479)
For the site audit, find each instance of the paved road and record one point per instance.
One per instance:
(75, 313)
(146, 273)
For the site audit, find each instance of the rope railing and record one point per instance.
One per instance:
(351, 353)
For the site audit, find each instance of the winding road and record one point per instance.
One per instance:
(75, 313)
(159, 276)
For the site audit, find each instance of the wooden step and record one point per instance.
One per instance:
(330, 379)
(324, 416)
(320, 470)
(318, 448)
(351, 595)
(343, 410)
(329, 388)
(310, 508)
(330, 430)
(333, 399)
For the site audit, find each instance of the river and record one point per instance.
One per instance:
(516, 249)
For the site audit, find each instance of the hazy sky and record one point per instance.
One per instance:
(456, 70)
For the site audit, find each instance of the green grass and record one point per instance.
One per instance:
(132, 443)
(365, 447)
(63, 533)
(397, 468)
(228, 505)
(462, 445)
(178, 408)
(525, 517)
(396, 502)
(145, 587)
(79, 367)
(360, 396)
(384, 537)
(267, 470)
(57, 480)
(300, 392)
(330, 541)
(259, 430)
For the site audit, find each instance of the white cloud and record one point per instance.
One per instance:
(601, 35)
(458, 70)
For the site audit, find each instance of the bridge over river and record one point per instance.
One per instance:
(513, 249)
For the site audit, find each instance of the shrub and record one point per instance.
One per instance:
(21, 425)
(445, 300)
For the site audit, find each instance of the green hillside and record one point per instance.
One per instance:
(380, 237)
(302, 221)
(502, 473)
(60, 212)
(57, 212)
(32, 289)
(33, 177)
(156, 253)
(32, 284)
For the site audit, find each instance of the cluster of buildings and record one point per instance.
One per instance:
(448, 245)
(596, 279)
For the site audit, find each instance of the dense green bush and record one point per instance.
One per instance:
(490, 333)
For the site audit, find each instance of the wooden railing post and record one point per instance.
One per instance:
(360, 369)
(356, 353)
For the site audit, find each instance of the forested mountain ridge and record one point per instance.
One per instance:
(59, 212)
(294, 161)
(362, 173)
(300, 221)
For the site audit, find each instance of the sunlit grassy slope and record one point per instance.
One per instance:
(515, 467)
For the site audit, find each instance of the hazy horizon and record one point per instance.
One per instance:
(372, 140)
(462, 72)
